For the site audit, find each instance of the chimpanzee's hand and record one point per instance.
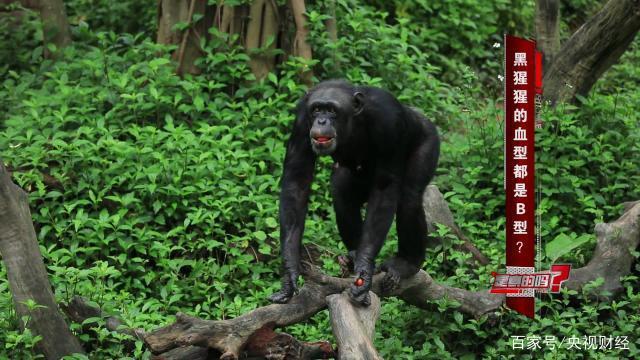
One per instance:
(362, 284)
(289, 287)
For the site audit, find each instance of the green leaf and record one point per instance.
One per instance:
(199, 103)
(271, 222)
(563, 244)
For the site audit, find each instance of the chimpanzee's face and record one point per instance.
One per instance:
(330, 111)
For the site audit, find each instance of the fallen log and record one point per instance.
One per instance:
(229, 336)
(436, 211)
(613, 256)
(615, 241)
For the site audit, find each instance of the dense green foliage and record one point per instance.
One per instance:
(153, 194)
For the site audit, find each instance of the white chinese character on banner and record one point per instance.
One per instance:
(542, 281)
(520, 115)
(515, 280)
(520, 152)
(520, 190)
(519, 78)
(520, 59)
(528, 280)
(519, 96)
(520, 171)
(520, 227)
(521, 134)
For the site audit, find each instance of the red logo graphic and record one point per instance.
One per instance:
(548, 281)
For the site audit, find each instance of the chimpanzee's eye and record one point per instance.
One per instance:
(315, 110)
(332, 111)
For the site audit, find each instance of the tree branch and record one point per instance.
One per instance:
(613, 257)
(229, 336)
(591, 50)
(436, 211)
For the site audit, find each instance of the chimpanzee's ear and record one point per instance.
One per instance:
(358, 103)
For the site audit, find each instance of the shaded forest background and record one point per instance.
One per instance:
(152, 161)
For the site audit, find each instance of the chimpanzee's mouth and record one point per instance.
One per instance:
(322, 140)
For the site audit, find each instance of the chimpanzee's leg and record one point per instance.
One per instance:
(349, 193)
(411, 224)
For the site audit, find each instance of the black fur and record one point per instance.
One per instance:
(384, 153)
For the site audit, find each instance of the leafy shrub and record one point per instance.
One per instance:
(117, 16)
(461, 33)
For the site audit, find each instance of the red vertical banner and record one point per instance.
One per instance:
(519, 105)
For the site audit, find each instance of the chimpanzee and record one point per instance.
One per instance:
(385, 154)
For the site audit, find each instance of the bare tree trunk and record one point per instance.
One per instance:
(263, 27)
(224, 15)
(547, 28)
(331, 23)
(257, 25)
(172, 12)
(55, 25)
(332, 30)
(591, 50)
(27, 275)
(300, 45)
(354, 326)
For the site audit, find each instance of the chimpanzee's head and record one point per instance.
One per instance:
(331, 109)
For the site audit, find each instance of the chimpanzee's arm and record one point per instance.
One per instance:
(295, 185)
(381, 208)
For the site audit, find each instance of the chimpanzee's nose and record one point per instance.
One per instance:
(322, 121)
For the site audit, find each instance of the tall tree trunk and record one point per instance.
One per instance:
(55, 25)
(300, 45)
(232, 19)
(262, 28)
(547, 28)
(27, 275)
(257, 25)
(172, 12)
(591, 50)
(332, 31)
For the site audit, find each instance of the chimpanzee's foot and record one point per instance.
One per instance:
(359, 291)
(280, 297)
(346, 263)
(363, 299)
(396, 269)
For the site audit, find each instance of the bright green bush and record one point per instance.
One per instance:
(461, 33)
